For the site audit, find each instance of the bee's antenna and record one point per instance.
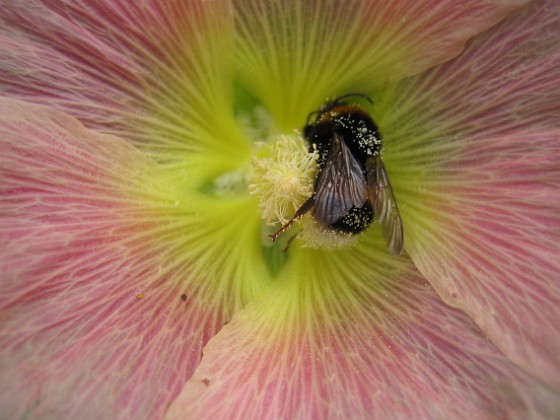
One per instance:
(330, 104)
(309, 116)
(361, 95)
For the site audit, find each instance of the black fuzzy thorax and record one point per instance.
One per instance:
(360, 133)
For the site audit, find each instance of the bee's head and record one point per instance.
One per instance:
(328, 106)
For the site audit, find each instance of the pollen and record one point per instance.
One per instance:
(283, 177)
(313, 235)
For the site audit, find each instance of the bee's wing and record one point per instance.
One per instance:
(385, 205)
(341, 184)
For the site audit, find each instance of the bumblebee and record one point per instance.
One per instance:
(352, 185)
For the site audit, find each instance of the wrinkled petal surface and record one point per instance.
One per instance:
(157, 74)
(116, 272)
(291, 54)
(112, 276)
(141, 70)
(356, 335)
(473, 148)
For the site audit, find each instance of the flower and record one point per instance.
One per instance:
(129, 239)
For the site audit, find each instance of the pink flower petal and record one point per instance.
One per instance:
(106, 297)
(473, 148)
(487, 237)
(504, 80)
(156, 74)
(291, 54)
(327, 343)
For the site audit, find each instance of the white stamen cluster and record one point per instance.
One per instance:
(284, 178)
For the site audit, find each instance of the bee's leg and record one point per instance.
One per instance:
(299, 213)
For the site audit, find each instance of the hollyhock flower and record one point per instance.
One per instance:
(137, 278)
